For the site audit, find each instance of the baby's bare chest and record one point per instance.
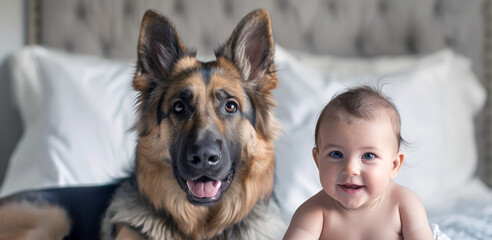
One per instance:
(379, 225)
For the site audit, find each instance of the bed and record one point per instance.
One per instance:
(72, 87)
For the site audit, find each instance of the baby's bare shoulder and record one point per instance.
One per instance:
(316, 204)
(307, 222)
(412, 214)
(403, 195)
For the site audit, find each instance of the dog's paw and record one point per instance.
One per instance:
(126, 233)
(27, 221)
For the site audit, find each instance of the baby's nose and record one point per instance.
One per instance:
(352, 167)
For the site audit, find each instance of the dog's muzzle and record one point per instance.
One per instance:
(205, 171)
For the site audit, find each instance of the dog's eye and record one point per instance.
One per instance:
(231, 107)
(179, 107)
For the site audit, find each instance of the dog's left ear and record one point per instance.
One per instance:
(159, 47)
(251, 46)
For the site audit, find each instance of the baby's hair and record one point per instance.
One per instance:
(362, 102)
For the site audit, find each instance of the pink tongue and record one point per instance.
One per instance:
(204, 189)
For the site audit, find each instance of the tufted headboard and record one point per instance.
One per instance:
(338, 27)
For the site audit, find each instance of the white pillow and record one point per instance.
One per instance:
(437, 96)
(77, 113)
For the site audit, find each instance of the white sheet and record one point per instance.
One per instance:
(438, 234)
(467, 224)
(470, 217)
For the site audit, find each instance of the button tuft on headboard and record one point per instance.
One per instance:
(411, 45)
(450, 42)
(129, 8)
(229, 8)
(309, 39)
(81, 12)
(283, 5)
(106, 48)
(438, 8)
(359, 45)
(383, 7)
(68, 46)
(332, 7)
(179, 7)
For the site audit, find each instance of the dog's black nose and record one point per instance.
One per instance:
(204, 155)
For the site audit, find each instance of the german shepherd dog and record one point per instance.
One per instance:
(205, 156)
(204, 164)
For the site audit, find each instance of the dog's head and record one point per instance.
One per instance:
(205, 128)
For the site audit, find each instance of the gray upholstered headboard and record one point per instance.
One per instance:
(340, 27)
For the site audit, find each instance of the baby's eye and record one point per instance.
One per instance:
(368, 156)
(336, 154)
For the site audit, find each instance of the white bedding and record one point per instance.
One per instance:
(470, 217)
(467, 224)
(69, 101)
(77, 111)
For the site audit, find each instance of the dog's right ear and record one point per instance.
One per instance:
(159, 47)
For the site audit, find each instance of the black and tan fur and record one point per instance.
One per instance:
(187, 107)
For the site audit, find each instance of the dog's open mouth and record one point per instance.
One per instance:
(207, 191)
(204, 187)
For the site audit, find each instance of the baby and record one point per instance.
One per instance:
(357, 142)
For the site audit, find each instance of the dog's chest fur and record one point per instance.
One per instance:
(131, 209)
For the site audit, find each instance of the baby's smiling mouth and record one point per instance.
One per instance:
(351, 188)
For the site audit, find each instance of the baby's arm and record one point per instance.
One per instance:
(307, 222)
(413, 217)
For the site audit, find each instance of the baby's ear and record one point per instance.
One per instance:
(315, 156)
(397, 163)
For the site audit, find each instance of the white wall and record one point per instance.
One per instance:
(11, 39)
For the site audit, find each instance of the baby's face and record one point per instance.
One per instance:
(357, 160)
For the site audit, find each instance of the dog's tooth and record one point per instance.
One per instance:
(190, 184)
(217, 184)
